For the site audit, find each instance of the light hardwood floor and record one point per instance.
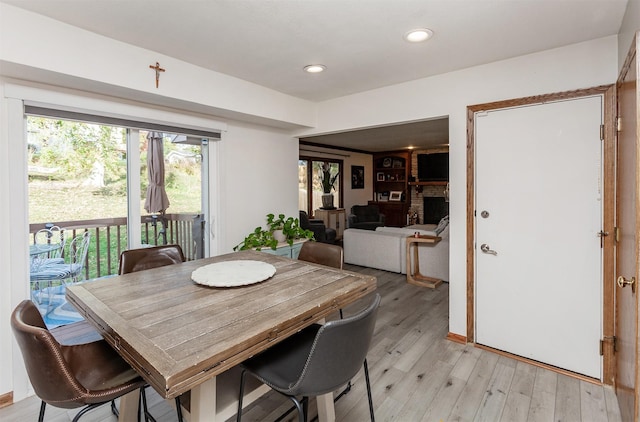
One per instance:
(418, 375)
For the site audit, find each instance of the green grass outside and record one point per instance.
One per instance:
(58, 200)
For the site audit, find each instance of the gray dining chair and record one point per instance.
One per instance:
(316, 360)
(331, 256)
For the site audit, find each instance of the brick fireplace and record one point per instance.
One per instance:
(434, 208)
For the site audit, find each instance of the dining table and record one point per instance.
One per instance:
(187, 336)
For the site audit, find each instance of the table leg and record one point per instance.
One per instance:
(326, 409)
(203, 402)
(129, 406)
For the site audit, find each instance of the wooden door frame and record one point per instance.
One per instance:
(608, 199)
(630, 398)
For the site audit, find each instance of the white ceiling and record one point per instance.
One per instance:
(360, 41)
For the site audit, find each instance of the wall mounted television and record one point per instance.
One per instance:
(433, 167)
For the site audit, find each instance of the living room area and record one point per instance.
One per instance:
(391, 183)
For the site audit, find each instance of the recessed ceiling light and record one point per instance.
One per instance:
(418, 35)
(315, 68)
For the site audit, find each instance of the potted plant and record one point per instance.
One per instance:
(264, 237)
(328, 184)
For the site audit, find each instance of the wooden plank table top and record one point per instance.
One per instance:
(177, 334)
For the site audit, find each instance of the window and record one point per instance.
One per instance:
(81, 178)
(310, 189)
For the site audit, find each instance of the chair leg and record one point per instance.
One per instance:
(302, 415)
(145, 410)
(85, 410)
(366, 377)
(179, 409)
(242, 379)
(43, 405)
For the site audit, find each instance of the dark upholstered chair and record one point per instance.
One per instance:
(366, 217)
(142, 259)
(316, 360)
(69, 377)
(320, 232)
(322, 253)
(145, 258)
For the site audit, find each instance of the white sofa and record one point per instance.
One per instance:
(385, 248)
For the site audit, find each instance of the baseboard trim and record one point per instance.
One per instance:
(542, 365)
(456, 338)
(6, 399)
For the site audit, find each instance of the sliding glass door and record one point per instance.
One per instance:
(100, 178)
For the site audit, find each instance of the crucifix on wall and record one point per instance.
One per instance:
(158, 69)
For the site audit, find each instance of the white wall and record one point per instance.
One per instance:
(34, 46)
(259, 168)
(6, 355)
(630, 25)
(578, 66)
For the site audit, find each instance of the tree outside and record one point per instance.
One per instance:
(78, 171)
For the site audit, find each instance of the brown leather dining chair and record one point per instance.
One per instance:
(134, 260)
(69, 377)
(130, 261)
(322, 253)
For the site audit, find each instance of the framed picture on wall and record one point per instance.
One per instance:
(357, 177)
(395, 195)
(380, 176)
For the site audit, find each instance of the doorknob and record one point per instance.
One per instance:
(486, 249)
(623, 282)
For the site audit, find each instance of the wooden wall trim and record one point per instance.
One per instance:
(608, 92)
(6, 399)
(541, 365)
(456, 338)
(608, 222)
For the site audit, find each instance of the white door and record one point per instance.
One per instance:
(538, 215)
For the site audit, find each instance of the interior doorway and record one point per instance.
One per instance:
(513, 185)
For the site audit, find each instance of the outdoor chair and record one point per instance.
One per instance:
(315, 361)
(48, 243)
(69, 377)
(61, 270)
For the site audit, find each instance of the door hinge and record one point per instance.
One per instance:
(602, 234)
(614, 342)
(602, 132)
(618, 124)
(616, 234)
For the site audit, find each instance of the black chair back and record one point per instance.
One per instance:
(340, 348)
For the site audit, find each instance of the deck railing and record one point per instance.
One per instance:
(109, 237)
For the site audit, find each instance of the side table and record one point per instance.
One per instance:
(417, 278)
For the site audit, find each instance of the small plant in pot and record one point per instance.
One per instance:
(288, 227)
